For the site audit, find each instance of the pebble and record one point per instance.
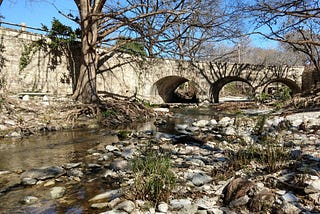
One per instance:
(127, 206)
(29, 200)
(57, 192)
(163, 207)
(109, 195)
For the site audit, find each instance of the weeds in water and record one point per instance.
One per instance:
(153, 177)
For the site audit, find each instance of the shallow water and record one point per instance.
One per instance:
(49, 149)
(59, 148)
(52, 149)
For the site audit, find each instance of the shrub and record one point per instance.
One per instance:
(153, 177)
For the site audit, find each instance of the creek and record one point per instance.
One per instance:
(65, 147)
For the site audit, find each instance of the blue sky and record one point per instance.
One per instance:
(36, 12)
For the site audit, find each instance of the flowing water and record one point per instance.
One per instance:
(59, 148)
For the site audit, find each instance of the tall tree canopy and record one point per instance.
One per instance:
(169, 28)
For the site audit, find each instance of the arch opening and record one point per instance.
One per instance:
(292, 85)
(236, 86)
(280, 89)
(175, 89)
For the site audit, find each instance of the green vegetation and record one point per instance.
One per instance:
(123, 134)
(259, 127)
(132, 47)
(153, 177)
(2, 58)
(60, 36)
(107, 113)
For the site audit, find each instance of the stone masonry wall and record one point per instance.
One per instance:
(37, 76)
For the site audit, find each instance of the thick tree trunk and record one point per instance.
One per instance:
(86, 90)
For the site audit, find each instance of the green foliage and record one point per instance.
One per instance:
(123, 134)
(2, 58)
(283, 93)
(128, 46)
(259, 127)
(154, 179)
(107, 113)
(263, 97)
(28, 51)
(59, 37)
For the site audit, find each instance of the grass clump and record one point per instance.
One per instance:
(153, 177)
(268, 155)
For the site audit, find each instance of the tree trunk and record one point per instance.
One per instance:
(86, 90)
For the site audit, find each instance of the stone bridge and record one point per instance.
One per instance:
(151, 79)
(157, 79)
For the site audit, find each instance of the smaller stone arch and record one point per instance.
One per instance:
(166, 86)
(218, 85)
(294, 87)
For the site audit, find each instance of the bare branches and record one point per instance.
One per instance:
(295, 24)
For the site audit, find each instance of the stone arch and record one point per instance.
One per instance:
(295, 89)
(218, 85)
(166, 86)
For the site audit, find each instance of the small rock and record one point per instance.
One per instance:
(289, 208)
(213, 122)
(181, 126)
(289, 197)
(313, 187)
(72, 165)
(201, 123)
(163, 207)
(119, 164)
(29, 181)
(111, 148)
(100, 205)
(29, 200)
(178, 204)
(200, 178)
(206, 202)
(57, 192)
(109, 195)
(26, 97)
(226, 121)
(127, 206)
(315, 197)
(15, 134)
(75, 173)
(49, 183)
(43, 172)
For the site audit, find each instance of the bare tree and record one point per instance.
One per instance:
(294, 23)
(168, 28)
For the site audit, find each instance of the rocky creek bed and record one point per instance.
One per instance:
(233, 164)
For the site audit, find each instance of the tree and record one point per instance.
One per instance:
(100, 21)
(294, 23)
(153, 23)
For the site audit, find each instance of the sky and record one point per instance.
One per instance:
(34, 13)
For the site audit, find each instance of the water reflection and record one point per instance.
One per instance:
(50, 149)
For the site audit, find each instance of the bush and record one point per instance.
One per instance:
(153, 177)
